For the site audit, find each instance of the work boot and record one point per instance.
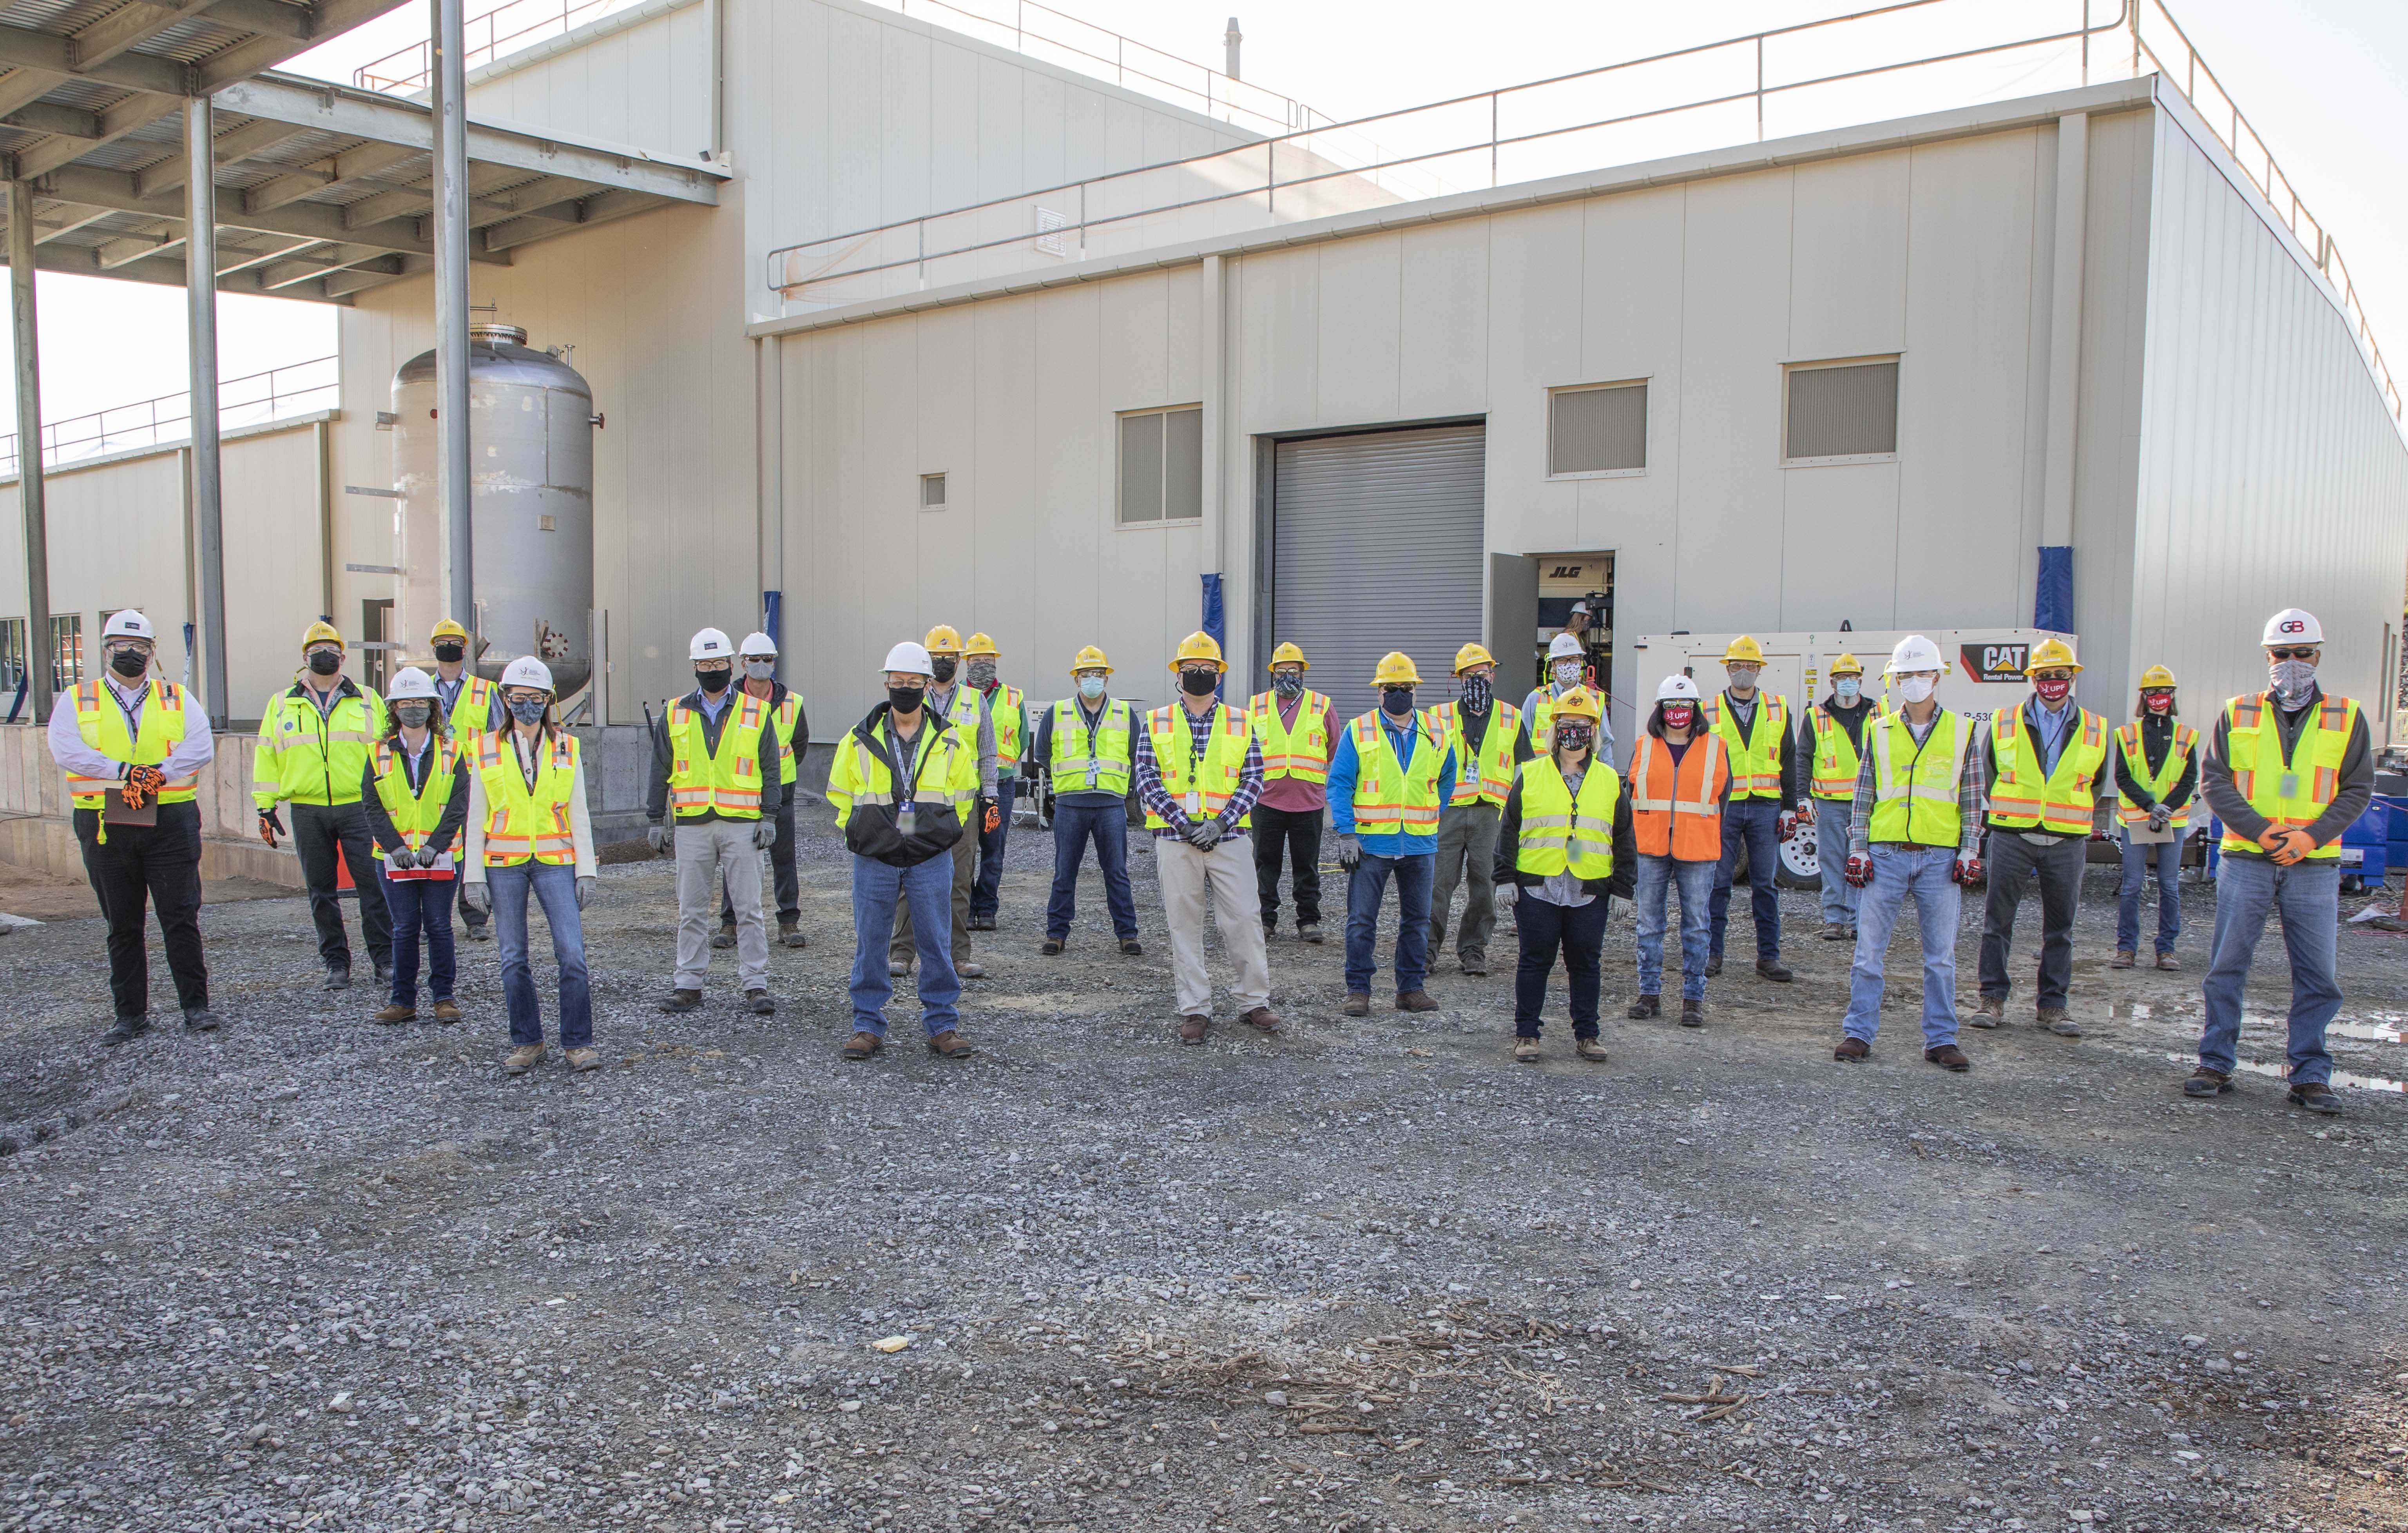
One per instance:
(2123, 959)
(948, 1045)
(523, 1058)
(127, 1027)
(724, 936)
(338, 976)
(2316, 1095)
(1714, 965)
(1948, 1057)
(1051, 947)
(1415, 1000)
(971, 969)
(1270, 933)
(1309, 931)
(200, 1019)
(682, 1000)
(480, 931)
(581, 1060)
(1774, 969)
(1191, 1027)
(1131, 946)
(1834, 932)
(384, 977)
(1693, 1012)
(1853, 1051)
(861, 1046)
(2055, 1021)
(1526, 1051)
(1263, 1019)
(897, 967)
(1358, 1003)
(1645, 1006)
(759, 1003)
(2204, 1082)
(789, 934)
(981, 924)
(2168, 962)
(447, 1011)
(1474, 963)
(1991, 1012)
(1590, 1049)
(396, 1012)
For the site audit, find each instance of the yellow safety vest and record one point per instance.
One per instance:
(522, 822)
(415, 815)
(945, 772)
(1390, 795)
(311, 758)
(729, 782)
(783, 718)
(1486, 775)
(1008, 705)
(2061, 803)
(1542, 720)
(1559, 833)
(1755, 761)
(1836, 761)
(472, 711)
(1301, 752)
(963, 714)
(1101, 764)
(1214, 777)
(2136, 753)
(2293, 793)
(101, 722)
(1916, 787)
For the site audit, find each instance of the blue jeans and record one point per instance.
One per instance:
(1651, 896)
(1414, 873)
(420, 905)
(1833, 819)
(1074, 826)
(2308, 894)
(990, 851)
(1926, 872)
(877, 888)
(554, 885)
(1756, 820)
(2136, 871)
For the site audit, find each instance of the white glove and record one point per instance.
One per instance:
(1506, 895)
(2160, 817)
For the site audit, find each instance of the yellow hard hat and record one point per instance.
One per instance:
(2156, 676)
(942, 640)
(322, 632)
(1199, 645)
(1090, 658)
(1289, 654)
(1847, 664)
(448, 629)
(1579, 702)
(980, 644)
(1744, 648)
(1472, 654)
(1395, 669)
(2051, 654)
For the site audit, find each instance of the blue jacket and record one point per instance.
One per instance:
(1348, 767)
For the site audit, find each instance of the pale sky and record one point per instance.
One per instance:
(2319, 79)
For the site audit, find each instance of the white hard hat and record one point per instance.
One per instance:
(1566, 646)
(909, 658)
(527, 671)
(757, 642)
(710, 644)
(2292, 626)
(409, 681)
(1914, 652)
(1676, 688)
(128, 624)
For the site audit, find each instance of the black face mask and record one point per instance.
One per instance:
(944, 666)
(1571, 738)
(714, 681)
(449, 652)
(1396, 701)
(1287, 685)
(904, 699)
(325, 663)
(1198, 684)
(127, 663)
(413, 715)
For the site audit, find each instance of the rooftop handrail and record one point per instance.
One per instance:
(411, 69)
(296, 388)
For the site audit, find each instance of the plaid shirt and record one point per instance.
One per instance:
(1970, 795)
(1157, 800)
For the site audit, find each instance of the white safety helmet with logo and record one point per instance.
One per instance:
(1913, 653)
(128, 624)
(1675, 689)
(909, 659)
(527, 671)
(409, 681)
(2292, 626)
(710, 644)
(1566, 647)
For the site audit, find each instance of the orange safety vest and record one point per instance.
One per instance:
(1676, 808)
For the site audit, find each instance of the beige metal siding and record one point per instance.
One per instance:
(646, 85)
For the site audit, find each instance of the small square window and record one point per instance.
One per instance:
(931, 492)
(1840, 411)
(1599, 430)
(1162, 465)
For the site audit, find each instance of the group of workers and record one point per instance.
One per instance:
(453, 789)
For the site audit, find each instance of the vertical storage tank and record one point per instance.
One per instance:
(531, 463)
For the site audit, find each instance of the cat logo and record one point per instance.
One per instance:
(1993, 662)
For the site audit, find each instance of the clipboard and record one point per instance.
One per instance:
(113, 810)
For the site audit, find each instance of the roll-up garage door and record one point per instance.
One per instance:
(1376, 546)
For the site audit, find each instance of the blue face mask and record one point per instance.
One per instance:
(1091, 687)
(1847, 687)
(527, 711)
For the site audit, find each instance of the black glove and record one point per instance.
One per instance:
(270, 826)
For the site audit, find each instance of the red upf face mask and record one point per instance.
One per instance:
(2052, 690)
(1677, 718)
(2158, 703)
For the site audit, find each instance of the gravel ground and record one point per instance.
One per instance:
(310, 1272)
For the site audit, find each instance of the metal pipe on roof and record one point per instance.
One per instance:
(1229, 42)
(24, 331)
(201, 320)
(453, 487)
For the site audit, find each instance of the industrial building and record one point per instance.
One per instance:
(889, 318)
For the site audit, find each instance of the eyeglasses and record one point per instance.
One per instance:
(2052, 676)
(2292, 655)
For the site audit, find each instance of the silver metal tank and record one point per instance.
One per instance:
(531, 454)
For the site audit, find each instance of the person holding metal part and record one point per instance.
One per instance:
(1564, 849)
(313, 750)
(716, 761)
(1087, 744)
(472, 705)
(759, 656)
(416, 795)
(133, 752)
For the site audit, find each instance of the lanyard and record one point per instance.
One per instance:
(905, 761)
(132, 711)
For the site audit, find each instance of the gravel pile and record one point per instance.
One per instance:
(311, 1272)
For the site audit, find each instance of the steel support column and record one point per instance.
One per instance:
(201, 319)
(451, 313)
(24, 332)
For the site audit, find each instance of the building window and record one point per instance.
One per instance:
(66, 653)
(1162, 465)
(1840, 411)
(1600, 429)
(931, 492)
(12, 657)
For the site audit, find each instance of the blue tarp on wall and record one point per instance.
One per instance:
(2053, 595)
(1215, 618)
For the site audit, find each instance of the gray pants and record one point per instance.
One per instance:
(708, 852)
(2013, 862)
(899, 948)
(1467, 845)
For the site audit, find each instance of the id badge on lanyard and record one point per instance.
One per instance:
(906, 808)
(1195, 804)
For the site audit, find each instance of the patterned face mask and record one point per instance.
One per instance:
(1567, 672)
(981, 673)
(1288, 683)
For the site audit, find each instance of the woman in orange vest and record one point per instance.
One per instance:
(1678, 783)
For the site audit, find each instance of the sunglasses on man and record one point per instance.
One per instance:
(2305, 653)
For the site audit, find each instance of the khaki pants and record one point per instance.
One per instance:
(1228, 871)
(712, 853)
(898, 948)
(1467, 851)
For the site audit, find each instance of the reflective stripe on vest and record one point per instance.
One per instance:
(1674, 813)
(471, 713)
(783, 718)
(2136, 755)
(1215, 777)
(414, 814)
(2293, 793)
(1391, 796)
(1559, 834)
(522, 822)
(1073, 767)
(1301, 752)
(728, 782)
(1919, 802)
(310, 757)
(1755, 761)
(101, 724)
(2061, 804)
(1836, 761)
(1487, 776)
(937, 779)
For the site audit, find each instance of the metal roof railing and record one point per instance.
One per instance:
(297, 388)
(490, 35)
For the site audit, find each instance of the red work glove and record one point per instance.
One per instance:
(1860, 869)
(1785, 825)
(1968, 871)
